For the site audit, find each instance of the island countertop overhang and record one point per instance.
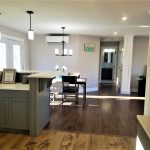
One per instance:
(46, 75)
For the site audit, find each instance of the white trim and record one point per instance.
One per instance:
(9, 37)
(13, 39)
(89, 89)
(114, 97)
(5, 36)
(125, 91)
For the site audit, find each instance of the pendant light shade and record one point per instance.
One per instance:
(30, 31)
(65, 51)
(30, 34)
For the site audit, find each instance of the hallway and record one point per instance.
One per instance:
(106, 89)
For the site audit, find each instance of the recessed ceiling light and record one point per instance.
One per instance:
(115, 33)
(144, 26)
(124, 18)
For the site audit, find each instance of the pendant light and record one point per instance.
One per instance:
(65, 52)
(30, 31)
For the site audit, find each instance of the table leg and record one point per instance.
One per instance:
(84, 94)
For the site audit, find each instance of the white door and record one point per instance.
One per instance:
(11, 53)
(17, 55)
(3, 54)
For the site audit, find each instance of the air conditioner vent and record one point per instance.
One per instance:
(57, 38)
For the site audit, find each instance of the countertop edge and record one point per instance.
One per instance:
(145, 123)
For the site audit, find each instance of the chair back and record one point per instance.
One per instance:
(74, 74)
(69, 79)
(70, 88)
(69, 84)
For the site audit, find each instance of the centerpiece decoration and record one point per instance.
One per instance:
(60, 70)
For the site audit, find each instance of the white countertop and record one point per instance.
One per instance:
(28, 71)
(145, 122)
(14, 86)
(46, 75)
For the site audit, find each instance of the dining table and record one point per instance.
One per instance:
(80, 81)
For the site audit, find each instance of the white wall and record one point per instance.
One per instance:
(89, 62)
(42, 57)
(21, 35)
(139, 60)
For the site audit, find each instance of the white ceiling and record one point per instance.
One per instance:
(90, 17)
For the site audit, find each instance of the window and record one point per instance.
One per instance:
(3, 56)
(11, 52)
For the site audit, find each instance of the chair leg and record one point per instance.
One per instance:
(77, 98)
(62, 98)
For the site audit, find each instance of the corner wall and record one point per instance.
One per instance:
(139, 60)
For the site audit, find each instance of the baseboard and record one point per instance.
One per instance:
(124, 91)
(89, 89)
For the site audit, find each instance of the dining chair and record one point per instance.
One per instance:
(70, 88)
(74, 74)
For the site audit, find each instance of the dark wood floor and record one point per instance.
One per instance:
(100, 116)
(110, 90)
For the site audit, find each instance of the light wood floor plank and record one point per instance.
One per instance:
(55, 140)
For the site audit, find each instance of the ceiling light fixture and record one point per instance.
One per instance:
(65, 52)
(30, 31)
(115, 33)
(124, 18)
(144, 26)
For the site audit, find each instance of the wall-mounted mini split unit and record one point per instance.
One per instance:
(57, 38)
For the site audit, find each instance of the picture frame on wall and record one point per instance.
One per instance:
(9, 76)
(89, 47)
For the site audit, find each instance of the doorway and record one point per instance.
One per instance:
(108, 64)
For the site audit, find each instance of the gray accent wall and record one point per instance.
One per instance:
(42, 57)
(139, 60)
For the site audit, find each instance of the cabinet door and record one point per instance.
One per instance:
(4, 120)
(19, 113)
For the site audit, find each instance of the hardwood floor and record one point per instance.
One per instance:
(50, 140)
(100, 116)
(104, 124)
(110, 90)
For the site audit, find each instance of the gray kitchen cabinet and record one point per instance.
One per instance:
(4, 122)
(14, 110)
(19, 113)
(25, 107)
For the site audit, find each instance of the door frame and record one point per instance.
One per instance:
(101, 62)
(19, 41)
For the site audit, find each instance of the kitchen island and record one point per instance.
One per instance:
(25, 107)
